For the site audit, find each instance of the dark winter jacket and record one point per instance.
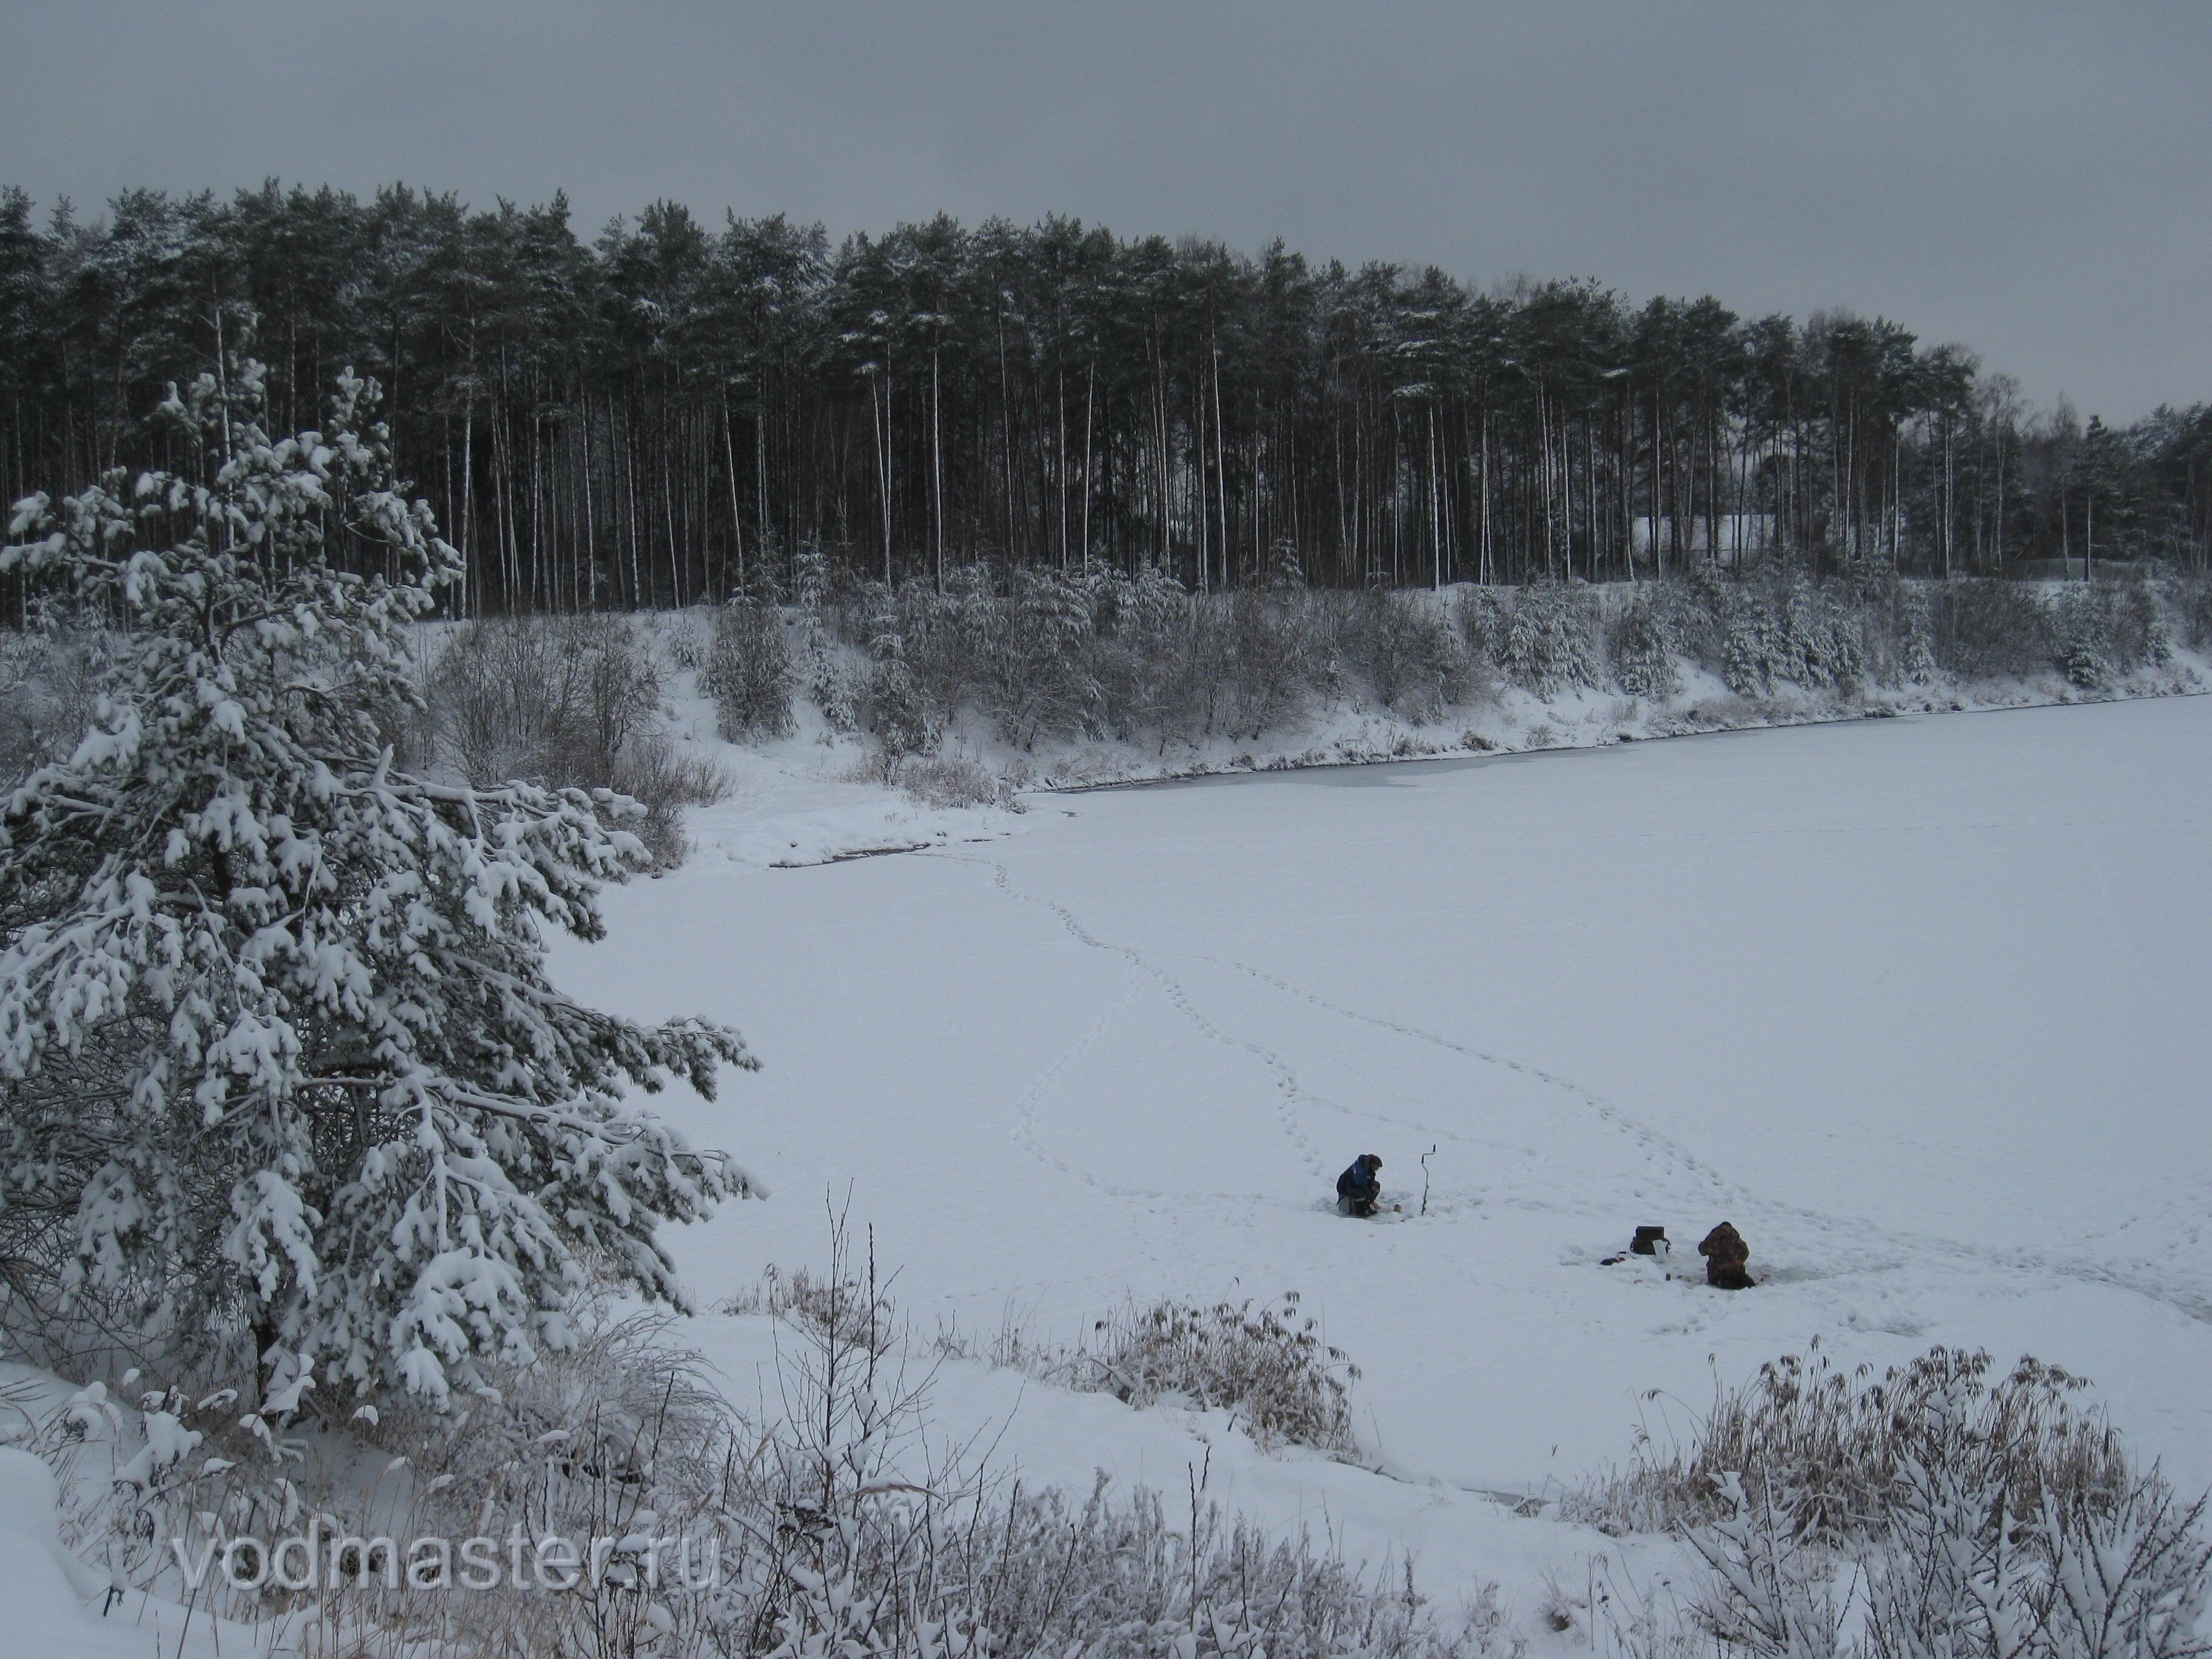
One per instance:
(1359, 1183)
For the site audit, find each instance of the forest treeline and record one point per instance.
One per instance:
(674, 411)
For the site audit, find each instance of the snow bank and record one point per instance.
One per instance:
(52, 1600)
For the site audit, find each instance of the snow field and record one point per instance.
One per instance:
(1911, 1002)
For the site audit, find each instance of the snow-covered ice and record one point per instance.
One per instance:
(1915, 1003)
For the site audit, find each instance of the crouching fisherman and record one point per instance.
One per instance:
(1359, 1188)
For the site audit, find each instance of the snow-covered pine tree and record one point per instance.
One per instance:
(278, 1056)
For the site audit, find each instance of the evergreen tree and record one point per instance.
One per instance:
(278, 1056)
(2098, 482)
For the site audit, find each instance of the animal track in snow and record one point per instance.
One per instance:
(1847, 1245)
(1842, 1241)
(1287, 1092)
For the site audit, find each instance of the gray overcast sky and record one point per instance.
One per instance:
(2035, 181)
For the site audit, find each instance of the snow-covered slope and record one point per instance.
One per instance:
(1911, 1002)
(818, 794)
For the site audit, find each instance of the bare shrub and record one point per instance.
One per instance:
(748, 673)
(568, 702)
(663, 779)
(1933, 1513)
(939, 782)
(2192, 600)
(1267, 658)
(843, 1307)
(1267, 1362)
(1840, 1443)
(550, 701)
(1987, 628)
(1409, 655)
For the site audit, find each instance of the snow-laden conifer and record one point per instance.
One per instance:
(278, 1056)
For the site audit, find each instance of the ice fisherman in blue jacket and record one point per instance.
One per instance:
(1359, 1188)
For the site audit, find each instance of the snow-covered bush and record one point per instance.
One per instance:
(686, 649)
(2079, 642)
(1770, 1589)
(1033, 647)
(1819, 630)
(748, 674)
(279, 1062)
(1146, 625)
(830, 686)
(835, 1522)
(1753, 656)
(899, 716)
(1954, 1566)
(1022, 659)
(1284, 570)
(1269, 1364)
(1044, 656)
(1544, 637)
(1776, 626)
(2107, 630)
(1640, 645)
(1070, 655)
(1910, 637)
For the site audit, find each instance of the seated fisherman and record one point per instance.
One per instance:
(1359, 1188)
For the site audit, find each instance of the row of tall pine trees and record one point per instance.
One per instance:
(669, 411)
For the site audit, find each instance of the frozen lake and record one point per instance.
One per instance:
(1917, 1005)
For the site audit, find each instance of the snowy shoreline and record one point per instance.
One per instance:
(804, 800)
(1459, 757)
